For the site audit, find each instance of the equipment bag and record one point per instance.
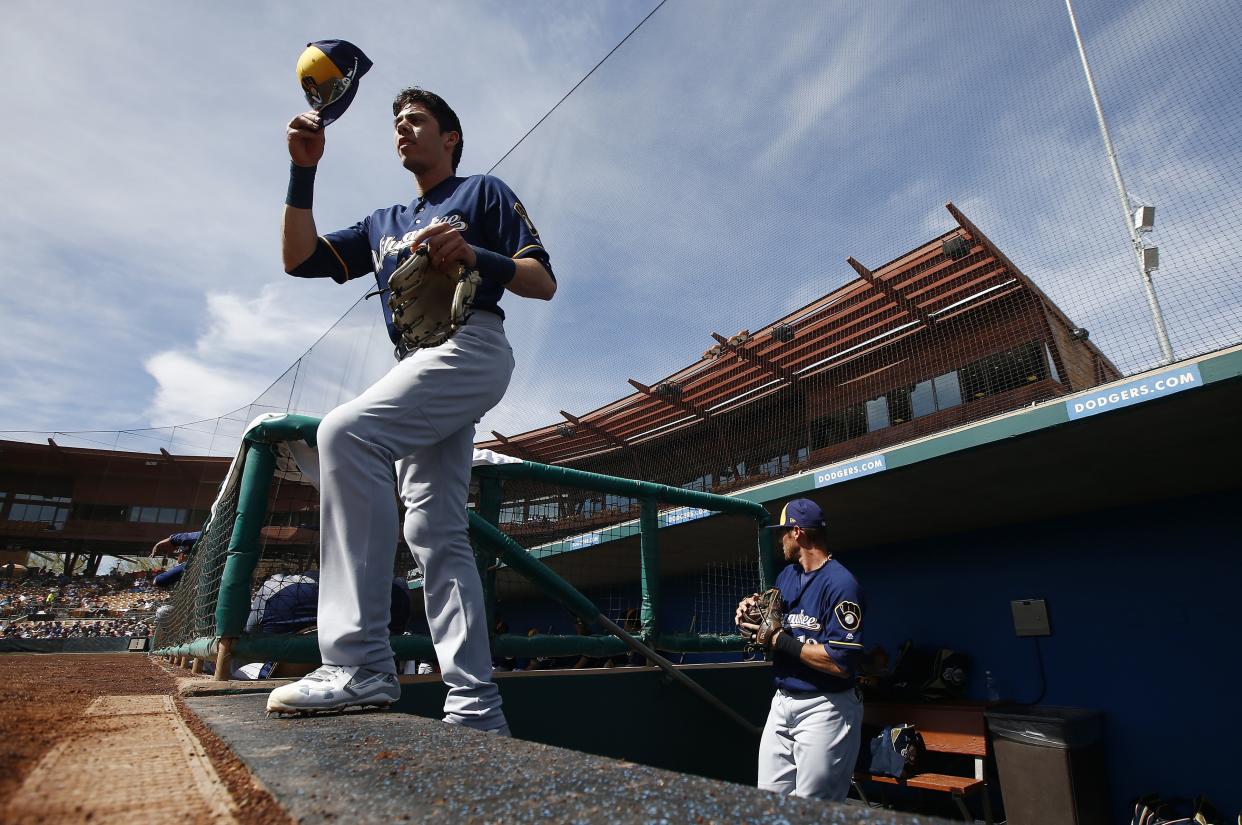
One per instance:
(928, 674)
(896, 751)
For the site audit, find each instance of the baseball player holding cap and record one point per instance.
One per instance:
(814, 726)
(415, 426)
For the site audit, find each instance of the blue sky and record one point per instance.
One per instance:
(712, 175)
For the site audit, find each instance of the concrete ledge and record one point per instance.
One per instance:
(393, 767)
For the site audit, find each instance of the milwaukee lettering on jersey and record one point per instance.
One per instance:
(801, 621)
(480, 207)
(390, 245)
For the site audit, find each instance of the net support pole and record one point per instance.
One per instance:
(1149, 288)
(649, 544)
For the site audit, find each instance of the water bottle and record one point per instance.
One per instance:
(990, 685)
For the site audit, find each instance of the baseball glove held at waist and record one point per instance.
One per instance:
(429, 305)
(767, 612)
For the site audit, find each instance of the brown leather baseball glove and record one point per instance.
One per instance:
(766, 614)
(429, 305)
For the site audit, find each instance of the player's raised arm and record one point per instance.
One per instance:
(305, 137)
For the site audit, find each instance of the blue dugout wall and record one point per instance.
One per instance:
(1142, 605)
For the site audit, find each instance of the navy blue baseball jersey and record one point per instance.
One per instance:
(824, 607)
(482, 208)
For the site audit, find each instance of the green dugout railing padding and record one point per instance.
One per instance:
(234, 594)
(233, 602)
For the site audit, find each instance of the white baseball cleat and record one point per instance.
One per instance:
(332, 687)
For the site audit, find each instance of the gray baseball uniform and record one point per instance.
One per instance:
(413, 430)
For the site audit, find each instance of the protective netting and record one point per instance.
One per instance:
(719, 588)
(746, 209)
(592, 539)
(191, 612)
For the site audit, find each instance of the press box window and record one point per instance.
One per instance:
(1004, 371)
(932, 395)
(877, 414)
(837, 427)
(50, 510)
(158, 515)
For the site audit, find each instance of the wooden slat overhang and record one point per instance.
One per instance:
(901, 298)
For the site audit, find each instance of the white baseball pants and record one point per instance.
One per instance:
(415, 427)
(810, 744)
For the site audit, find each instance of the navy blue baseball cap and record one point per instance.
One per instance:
(801, 512)
(329, 71)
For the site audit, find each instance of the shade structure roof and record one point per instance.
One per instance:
(955, 273)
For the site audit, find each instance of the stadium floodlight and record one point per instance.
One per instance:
(1151, 258)
(668, 389)
(955, 248)
(783, 333)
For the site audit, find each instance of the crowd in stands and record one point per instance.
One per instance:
(43, 597)
(80, 629)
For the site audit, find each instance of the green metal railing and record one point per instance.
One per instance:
(232, 590)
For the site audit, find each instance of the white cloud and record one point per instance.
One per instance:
(246, 341)
(184, 382)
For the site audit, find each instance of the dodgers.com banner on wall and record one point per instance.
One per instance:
(848, 470)
(1134, 392)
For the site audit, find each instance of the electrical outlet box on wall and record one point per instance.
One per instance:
(1030, 617)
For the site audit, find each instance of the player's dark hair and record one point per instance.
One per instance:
(441, 111)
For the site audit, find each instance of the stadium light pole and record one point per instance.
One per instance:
(1162, 334)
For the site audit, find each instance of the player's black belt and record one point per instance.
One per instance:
(808, 694)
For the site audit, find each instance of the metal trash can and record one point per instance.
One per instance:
(1051, 764)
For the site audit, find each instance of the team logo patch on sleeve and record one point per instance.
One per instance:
(849, 615)
(521, 212)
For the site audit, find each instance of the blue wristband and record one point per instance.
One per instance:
(493, 266)
(301, 186)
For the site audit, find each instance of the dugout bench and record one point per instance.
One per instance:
(953, 728)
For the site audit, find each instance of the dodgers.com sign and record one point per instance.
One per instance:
(848, 470)
(1134, 392)
(585, 540)
(683, 514)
